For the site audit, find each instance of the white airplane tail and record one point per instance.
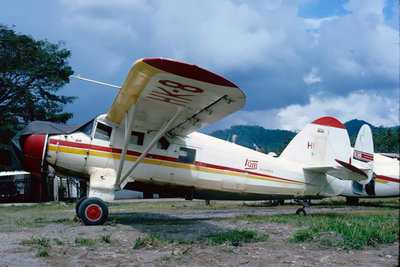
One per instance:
(320, 143)
(323, 146)
(364, 146)
(363, 155)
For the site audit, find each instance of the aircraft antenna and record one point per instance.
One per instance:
(93, 81)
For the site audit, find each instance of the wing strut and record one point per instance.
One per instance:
(160, 133)
(128, 129)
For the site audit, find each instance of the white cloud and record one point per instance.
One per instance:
(312, 76)
(104, 27)
(365, 7)
(102, 4)
(275, 56)
(371, 107)
(315, 24)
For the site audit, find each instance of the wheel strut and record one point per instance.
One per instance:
(302, 211)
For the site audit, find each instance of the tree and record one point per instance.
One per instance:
(386, 140)
(31, 73)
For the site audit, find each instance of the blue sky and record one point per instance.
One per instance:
(296, 60)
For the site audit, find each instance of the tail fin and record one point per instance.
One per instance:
(364, 155)
(364, 147)
(320, 143)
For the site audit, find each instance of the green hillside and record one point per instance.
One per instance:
(266, 140)
(354, 126)
(385, 139)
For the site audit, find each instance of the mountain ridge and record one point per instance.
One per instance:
(275, 140)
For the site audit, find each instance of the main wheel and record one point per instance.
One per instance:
(301, 212)
(93, 211)
(78, 205)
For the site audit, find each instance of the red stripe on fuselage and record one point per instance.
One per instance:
(159, 157)
(207, 165)
(387, 178)
(109, 149)
(367, 156)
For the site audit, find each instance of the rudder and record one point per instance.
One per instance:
(320, 143)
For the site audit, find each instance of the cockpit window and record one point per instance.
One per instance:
(103, 132)
(88, 128)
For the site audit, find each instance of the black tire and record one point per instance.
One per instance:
(93, 211)
(78, 204)
(301, 212)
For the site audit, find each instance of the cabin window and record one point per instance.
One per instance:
(88, 128)
(103, 132)
(187, 155)
(163, 143)
(137, 138)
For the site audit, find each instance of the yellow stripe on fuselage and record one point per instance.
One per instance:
(96, 153)
(381, 181)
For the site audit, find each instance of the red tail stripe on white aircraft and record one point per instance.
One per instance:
(363, 156)
(160, 157)
(329, 121)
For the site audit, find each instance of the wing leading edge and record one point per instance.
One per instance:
(161, 87)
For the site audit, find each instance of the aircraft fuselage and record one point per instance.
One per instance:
(196, 161)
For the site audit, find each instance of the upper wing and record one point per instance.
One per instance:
(159, 87)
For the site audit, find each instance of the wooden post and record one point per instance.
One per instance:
(55, 188)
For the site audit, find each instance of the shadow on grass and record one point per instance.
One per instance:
(167, 227)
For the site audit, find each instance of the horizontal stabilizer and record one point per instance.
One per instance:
(344, 171)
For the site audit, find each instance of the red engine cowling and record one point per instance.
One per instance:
(35, 148)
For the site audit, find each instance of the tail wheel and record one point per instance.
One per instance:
(301, 212)
(78, 204)
(93, 211)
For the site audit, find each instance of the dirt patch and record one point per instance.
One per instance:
(176, 237)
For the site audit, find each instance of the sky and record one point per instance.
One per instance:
(296, 60)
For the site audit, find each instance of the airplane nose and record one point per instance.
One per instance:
(34, 147)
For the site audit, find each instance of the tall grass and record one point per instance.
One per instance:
(358, 229)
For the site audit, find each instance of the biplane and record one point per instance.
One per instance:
(148, 142)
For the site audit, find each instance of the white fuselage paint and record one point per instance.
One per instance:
(219, 165)
(386, 179)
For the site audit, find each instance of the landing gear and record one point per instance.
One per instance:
(93, 211)
(302, 211)
(78, 204)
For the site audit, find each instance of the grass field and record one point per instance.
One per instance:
(356, 229)
(189, 232)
